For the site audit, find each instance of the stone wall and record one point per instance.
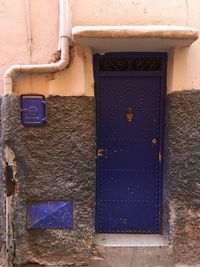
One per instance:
(2, 208)
(57, 162)
(182, 174)
(54, 162)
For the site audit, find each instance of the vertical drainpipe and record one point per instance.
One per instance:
(64, 35)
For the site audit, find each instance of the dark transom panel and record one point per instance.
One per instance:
(131, 64)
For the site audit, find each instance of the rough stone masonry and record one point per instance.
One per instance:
(57, 162)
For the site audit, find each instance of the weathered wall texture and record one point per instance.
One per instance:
(62, 83)
(14, 37)
(55, 162)
(2, 208)
(130, 12)
(182, 158)
(135, 257)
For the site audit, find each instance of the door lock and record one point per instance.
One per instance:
(100, 153)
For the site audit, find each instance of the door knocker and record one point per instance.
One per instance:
(129, 114)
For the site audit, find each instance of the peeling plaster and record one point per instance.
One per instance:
(9, 158)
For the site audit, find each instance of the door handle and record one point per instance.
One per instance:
(154, 141)
(100, 153)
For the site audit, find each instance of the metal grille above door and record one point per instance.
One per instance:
(130, 93)
(130, 64)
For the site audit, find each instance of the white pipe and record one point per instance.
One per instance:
(28, 21)
(64, 18)
(45, 68)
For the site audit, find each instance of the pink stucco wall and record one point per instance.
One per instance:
(17, 48)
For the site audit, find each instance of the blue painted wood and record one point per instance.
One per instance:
(129, 174)
(50, 215)
(33, 110)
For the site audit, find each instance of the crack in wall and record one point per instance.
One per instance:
(9, 161)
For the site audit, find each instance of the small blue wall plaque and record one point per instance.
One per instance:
(56, 214)
(33, 110)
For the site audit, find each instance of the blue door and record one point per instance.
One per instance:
(130, 96)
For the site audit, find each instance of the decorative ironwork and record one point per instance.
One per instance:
(131, 64)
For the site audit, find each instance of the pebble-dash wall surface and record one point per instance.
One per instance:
(2, 207)
(55, 162)
(182, 173)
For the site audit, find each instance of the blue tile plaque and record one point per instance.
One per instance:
(45, 215)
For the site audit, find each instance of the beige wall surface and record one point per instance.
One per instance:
(129, 12)
(33, 39)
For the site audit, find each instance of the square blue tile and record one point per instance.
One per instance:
(46, 215)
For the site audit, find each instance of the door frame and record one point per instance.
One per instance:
(163, 74)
